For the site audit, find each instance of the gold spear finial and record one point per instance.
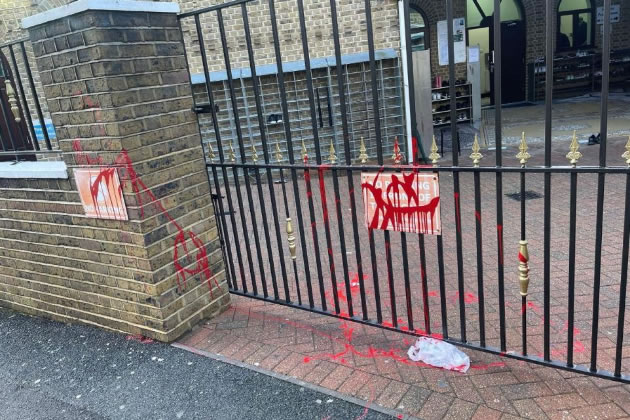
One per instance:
(397, 157)
(254, 153)
(434, 156)
(574, 155)
(304, 152)
(278, 153)
(332, 157)
(231, 154)
(363, 157)
(475, 155)
(626, 154)
(211, 154)
(522, 151)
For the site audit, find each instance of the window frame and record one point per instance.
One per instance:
(575, 13)
(427, 33)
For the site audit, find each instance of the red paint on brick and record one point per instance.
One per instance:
(123, 163)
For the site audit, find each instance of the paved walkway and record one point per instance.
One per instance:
(372, 364)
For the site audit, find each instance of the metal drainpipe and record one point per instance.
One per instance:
(403, 56)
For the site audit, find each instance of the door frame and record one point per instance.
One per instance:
(519, 4)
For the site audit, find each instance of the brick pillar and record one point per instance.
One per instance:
(117, 87)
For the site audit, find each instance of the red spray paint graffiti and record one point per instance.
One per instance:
(123, 164)
(395, 202)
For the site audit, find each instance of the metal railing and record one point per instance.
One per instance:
(20, 107)
(257, 249)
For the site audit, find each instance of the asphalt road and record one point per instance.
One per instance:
(52, 371)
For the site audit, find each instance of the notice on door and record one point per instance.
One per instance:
(459, 40)
(402, 202)
(101, 193)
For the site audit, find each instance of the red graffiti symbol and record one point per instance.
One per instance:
(389, 209)
(124, 165)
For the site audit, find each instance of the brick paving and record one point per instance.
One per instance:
(371, 363)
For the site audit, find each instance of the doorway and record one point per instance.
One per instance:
(480, 16)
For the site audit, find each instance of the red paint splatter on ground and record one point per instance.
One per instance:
(488, 366)
(123, 164)
(410, 217)
(468, 297)
(372, 352)
(433, 293)
(531, 305)
(140, 338)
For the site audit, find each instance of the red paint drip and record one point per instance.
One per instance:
(500, 238)
(414, 149)
(478, 216)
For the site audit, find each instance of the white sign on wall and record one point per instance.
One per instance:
(459, 39)
(615, 14)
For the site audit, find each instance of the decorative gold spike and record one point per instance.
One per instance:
(523, 267)
(574, 155)
(475, 155)
(304, 153)
(522, 151)
(211, 154)
(626, 154)
(12, 101)
(332, 156)
(434, 156)
(279, 156)
(231, 154)
(363, 157)
(397, 156)
(291, 238)
(254, 153)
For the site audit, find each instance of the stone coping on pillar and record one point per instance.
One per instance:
(109, 5)
(34, 170)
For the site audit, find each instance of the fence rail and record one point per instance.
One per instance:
(285, 259)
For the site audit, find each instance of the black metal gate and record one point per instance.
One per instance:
(20, 109)
(271, 213)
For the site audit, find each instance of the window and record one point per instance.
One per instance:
(479, 12)
(418, 28)
(575, 25)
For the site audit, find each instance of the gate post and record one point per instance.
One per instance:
(117, 86)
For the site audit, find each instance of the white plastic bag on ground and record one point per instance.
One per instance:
(439, 354)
